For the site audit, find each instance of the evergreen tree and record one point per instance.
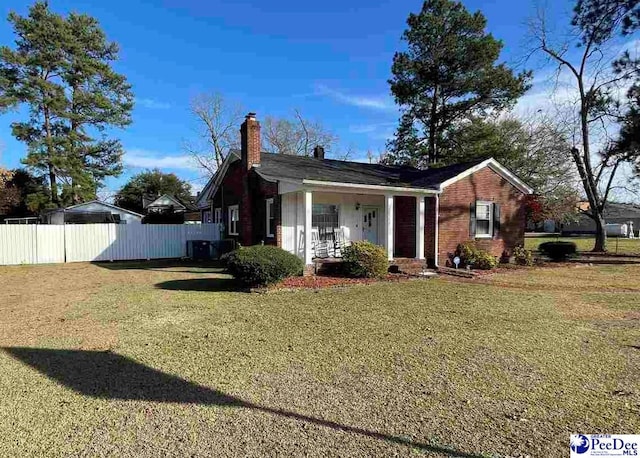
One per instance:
(152, 183)
(448, 73)
(61, 70)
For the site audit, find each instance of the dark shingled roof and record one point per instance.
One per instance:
(621, 210)
(309, 168)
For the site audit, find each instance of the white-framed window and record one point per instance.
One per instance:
(217, 215)
(484, 219)
(270, 218)
(234, 219)
(326, 218)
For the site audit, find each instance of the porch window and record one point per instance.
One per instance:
(484, 219)
(234, 218)
(217, 215)
(271, 218)
(325, 218)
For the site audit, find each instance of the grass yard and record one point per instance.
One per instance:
(620, 246)
(161, 360)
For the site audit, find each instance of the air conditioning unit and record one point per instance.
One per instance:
(199, 250)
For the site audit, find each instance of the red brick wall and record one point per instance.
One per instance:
(454, 217)
(248, 190)
(230, 193)
(404, 227)
(261, 190)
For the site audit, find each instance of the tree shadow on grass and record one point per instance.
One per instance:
(202, 284)
(107, 375)
(165, 265)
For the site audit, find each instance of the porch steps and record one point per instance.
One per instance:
(328, 266)
(409, 266)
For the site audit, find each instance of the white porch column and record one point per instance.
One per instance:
(308, 208)
(419, 227)
(388, 227)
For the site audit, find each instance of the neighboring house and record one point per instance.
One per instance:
(614, 213)
(163, 203)
(91, 212)
(166, 203)
(424, 214)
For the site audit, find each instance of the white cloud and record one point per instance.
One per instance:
(196, 187)
(145, 159)
(379, 102)
(375, 131)
(152, 104)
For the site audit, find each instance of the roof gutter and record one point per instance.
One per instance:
(371, 187)
(496, 167)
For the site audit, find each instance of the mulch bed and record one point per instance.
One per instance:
(322, 281)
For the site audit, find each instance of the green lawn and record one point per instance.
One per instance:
(161, 360)
(620, 246)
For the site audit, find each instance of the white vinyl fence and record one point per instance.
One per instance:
(42, 244)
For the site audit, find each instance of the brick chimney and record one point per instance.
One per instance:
(250, 141)
(318, 152)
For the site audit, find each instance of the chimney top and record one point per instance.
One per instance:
(318, 152)
(250, 141)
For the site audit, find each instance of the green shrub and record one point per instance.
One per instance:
(365, 259)
(558, 251)
(484, 261)
(261, 265)
(467, 253)
(523, 256)
(476, 258)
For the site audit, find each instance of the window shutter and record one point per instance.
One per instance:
(472, 220)
(496, 219)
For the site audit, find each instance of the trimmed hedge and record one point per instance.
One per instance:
(476, 258)
(364, 259)
(261, 265)
(558, 251)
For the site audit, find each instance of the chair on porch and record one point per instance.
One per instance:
(320, 247)
(340, 242)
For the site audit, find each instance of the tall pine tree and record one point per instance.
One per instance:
(61, 69)
(447, 74)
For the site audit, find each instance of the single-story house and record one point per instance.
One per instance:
(170, 204)
(614, 213)
(165, 202)
(91, 212)
(293, 201)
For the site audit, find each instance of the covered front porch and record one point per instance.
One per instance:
(318, 222)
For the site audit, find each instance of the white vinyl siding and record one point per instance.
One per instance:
(349, 216)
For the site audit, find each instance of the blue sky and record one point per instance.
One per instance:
(330, 60)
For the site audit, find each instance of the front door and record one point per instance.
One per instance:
(370, 217)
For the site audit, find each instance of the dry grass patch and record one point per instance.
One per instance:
(506, 365)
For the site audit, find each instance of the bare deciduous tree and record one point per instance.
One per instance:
(217, 130)
(297, 136)
(586, 58)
